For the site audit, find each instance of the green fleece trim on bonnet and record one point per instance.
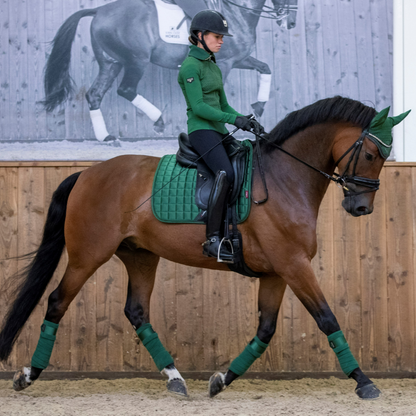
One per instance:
(380, 128)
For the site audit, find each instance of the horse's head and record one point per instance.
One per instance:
(359, 167)
(286, 11)
(360, 163)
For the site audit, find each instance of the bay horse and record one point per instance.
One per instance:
(279, 235)
(124, 34)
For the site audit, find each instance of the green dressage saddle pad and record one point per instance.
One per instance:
(173, 195)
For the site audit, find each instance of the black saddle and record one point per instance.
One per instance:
(187, 157)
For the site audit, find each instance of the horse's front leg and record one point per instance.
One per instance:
(305, 286)
(264, 84)
(271, 293)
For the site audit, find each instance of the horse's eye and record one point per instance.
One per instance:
(368, 156)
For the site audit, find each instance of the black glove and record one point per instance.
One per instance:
(247, 124)
(243, 123)
(257, 127)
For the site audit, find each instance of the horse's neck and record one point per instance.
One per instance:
(313, 146)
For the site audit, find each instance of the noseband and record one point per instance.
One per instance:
(344, 179)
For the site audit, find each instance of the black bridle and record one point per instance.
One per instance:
(270, 13)
(341, 180)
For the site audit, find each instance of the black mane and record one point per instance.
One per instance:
(329, 109)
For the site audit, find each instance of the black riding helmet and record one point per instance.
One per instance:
(208, 21)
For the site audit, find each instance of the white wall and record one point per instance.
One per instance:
(404, 78)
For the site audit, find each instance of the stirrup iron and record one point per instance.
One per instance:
(219, 260)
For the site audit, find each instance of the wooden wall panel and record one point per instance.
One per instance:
(8, 243)
(365, 267)
(400, 272)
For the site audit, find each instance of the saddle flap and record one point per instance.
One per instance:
(206, 178)
(186, 155)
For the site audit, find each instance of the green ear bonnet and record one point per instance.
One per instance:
(380, 128)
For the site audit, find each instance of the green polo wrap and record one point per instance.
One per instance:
(341, 348)
(156, 349)
(250, 354)
(44, 348)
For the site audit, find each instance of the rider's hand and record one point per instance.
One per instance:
(257, 127)
(247, 123)
(243, 123)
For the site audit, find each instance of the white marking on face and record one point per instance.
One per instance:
(172, 374)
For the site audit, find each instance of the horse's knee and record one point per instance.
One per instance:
(56, 307)
(129, 93)
(264, 68)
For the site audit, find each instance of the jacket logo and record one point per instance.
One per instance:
(190, 79)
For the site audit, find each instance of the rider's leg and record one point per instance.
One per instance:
(215, 219)
(208, 144)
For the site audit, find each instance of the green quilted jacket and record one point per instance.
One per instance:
(201, 83)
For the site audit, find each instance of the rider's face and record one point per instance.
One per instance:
(212, 40)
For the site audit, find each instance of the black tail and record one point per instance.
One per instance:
(57, 81)
(37, 275)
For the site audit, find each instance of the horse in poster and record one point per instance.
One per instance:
(125, 35)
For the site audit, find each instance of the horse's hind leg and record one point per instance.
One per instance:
(107, 74)
(127, 89)
(272, 289)
(141, 267)
(265, 81)
(75, 276)
(109, 69)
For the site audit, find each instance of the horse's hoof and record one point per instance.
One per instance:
(216, 384)
(159, 126)
(258, 108)
(109, 138)
(116, 143)
(19, 381)
(368, 392)
(177, 386)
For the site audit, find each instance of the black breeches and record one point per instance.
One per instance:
(216, 159)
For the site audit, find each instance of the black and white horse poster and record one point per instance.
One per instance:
(107, 85)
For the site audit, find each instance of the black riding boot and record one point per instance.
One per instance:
(215, 220)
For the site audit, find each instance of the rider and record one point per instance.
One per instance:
(208, 110)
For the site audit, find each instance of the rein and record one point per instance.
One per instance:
(340, 180)
(275, 14)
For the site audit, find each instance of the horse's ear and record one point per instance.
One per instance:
(380, 118)
(399, 118)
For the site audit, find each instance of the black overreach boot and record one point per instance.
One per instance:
(215, 220)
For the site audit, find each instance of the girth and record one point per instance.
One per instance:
(187, 157)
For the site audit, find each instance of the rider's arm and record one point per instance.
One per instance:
(193, 88)
(226, 107)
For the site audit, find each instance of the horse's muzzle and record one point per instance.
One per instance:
(358, 205)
